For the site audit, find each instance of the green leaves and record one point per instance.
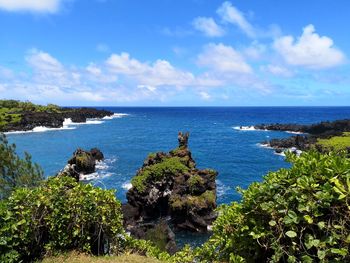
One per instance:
(299, 214)
(14, 171)
(61, 214)
(291, 234)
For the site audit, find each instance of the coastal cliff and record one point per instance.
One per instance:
(25, 116)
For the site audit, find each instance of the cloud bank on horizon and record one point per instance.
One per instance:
(222, 56)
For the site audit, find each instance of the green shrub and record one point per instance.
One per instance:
(168, 166)
(336, 143)
(14, 171)
(297, 214)
(59, 215)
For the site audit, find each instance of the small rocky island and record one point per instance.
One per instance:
(315, 136)
(168, 193)
(82, 163)
(169, 189)
(25, 116)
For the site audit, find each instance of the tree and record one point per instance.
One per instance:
(15, 171)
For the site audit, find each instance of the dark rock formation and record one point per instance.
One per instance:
(82, 163)
(31, 119)
(309, 139)
(168, 185)
(320, 129)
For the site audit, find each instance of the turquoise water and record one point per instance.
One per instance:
(127, 140)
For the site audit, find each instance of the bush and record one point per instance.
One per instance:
(14, 171)
(297, 214)
(60, 215)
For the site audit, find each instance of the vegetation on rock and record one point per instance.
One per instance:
(23, 116)
(335, 143)
(158, 171)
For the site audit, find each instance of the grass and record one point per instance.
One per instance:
(75, 257)
(336, 143)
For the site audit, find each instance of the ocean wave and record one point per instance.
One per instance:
(66, 126)
(264, 145)
(68, 122)
(221, 189)
(294, 132)
(247, 128)
(115, 116)
(102, 170)
(127, 186)
(280, 154)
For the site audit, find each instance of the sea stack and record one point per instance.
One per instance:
(169, 186)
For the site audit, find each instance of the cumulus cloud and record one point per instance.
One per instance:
(40, 6)
(224, 59)
(277, 70)
(232, 15)
(204, 95)
(309, 50)
(158, 73)
(122, 78)
(208, 26)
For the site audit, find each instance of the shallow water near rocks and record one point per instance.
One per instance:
(215, 143)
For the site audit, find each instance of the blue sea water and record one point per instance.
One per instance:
(215, 143)
(126, 141)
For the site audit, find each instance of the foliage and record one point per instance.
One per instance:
(11, 111)
(194, 182)
(14, 171)
(75, 257)
(207, 199)
(168, 166)
(59, 215)
(336, 143)
(146, 248)
(296, 214)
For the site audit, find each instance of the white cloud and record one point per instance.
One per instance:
(309, 50)
(158, 73)
(41, 6)
(6, 73)
(232, 15)
(277, 70)
(208, 26)
(43, 61)
(255, 50)
(204, 95)
(223, 59)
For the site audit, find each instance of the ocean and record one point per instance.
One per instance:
(215, 141)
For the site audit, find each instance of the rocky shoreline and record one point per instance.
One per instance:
(309, 137)
(22, 118)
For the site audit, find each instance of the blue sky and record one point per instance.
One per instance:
(175, 52)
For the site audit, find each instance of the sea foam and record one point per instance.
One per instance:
(115, 116)
(127, 186)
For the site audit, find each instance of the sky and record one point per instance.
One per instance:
(176, 52)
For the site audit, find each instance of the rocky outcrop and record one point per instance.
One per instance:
(81, 163)
(31, 119)
(309, 139)
(82, 114)
(168, 186)
(325, 128)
